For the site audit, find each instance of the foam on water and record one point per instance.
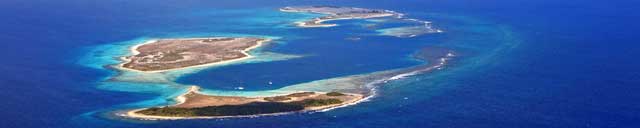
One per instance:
(365, 83)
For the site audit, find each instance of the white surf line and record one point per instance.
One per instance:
(372, 85)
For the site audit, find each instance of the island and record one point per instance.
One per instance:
(178, 53)
(151, 59)
(337, 13)
(167, 54)
(194, 105)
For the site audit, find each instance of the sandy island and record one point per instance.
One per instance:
(171, 54)
(332, 13)
(336, 13)
(194, 105)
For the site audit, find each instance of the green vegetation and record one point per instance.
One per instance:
(317, 102)
(172, 56)
(216, 39)
(277, 98)
(167, 111)
(335, 94)
(235, 110)
(301, 94)
(225, 110)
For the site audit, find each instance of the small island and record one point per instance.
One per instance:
(337, 13)
(174, 54)
(180, 53)
(168, 54)
(194, 105)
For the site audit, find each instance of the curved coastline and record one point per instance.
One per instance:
(133, 50)
(332, 13)
(336, 13)
(362, 85)
(180, 100)
(437, 58)
(317, 22)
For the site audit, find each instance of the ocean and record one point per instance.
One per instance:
(518, 63)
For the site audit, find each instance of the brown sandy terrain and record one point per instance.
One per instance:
(193, 105)
(195, 100)
(168, 54)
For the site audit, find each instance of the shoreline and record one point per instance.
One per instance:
(318, 22)
(195, 89)
(331, 13)
(134, 51)
(357, 97)
(183, 97)
(437, 59)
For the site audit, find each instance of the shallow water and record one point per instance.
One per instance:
(518, 63)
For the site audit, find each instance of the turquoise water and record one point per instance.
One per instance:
(314, 62)
(517, 64)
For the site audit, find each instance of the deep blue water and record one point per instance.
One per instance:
(522, 63)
